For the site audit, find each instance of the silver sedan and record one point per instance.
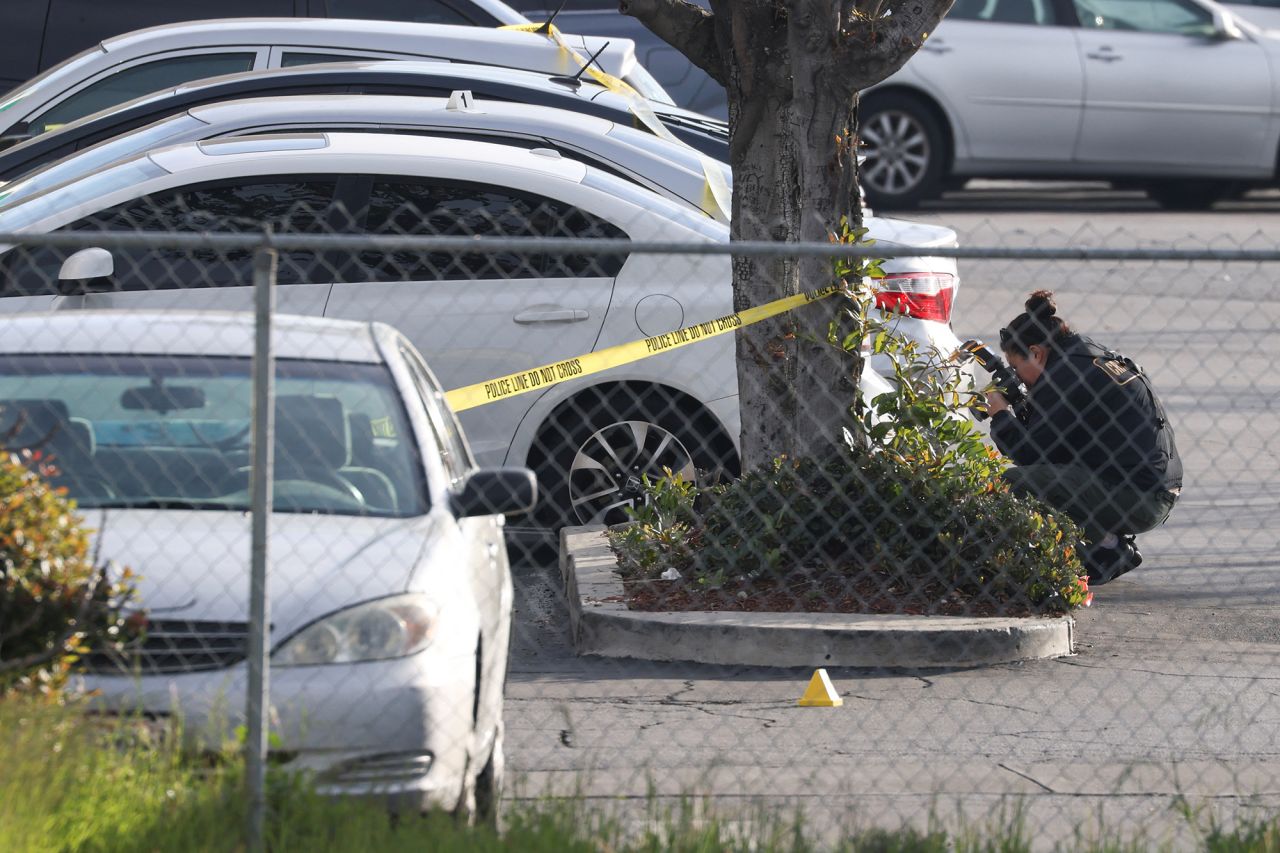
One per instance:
(1177, 97)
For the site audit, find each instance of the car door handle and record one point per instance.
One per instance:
(936, 46)
(551, 315)
(1105, 56)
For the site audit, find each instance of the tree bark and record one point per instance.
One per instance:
(688, 28)
(792, 71)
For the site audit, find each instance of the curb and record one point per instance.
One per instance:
(602, 625)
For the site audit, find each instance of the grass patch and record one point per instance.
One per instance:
(71, 783)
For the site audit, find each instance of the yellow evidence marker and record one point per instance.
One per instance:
(820, 693)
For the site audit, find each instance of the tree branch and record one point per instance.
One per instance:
(688, 28)
(881, 35)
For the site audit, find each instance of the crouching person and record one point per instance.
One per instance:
(1094, 441)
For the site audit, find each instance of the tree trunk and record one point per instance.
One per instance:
(792, 69)
(791, 131)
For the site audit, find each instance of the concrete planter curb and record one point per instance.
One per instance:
(602, 625)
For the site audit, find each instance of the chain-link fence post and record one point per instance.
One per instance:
(264, 279)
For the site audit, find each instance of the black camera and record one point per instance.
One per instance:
(1002, 376)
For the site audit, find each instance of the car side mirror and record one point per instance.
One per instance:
(87, 271)
(496, 491)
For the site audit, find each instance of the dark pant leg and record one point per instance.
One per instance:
(1074, 491)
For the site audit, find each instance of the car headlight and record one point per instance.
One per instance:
(376, 630)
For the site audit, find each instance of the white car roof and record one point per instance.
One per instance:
(311, 150)
(403, 109)
(540, 170)
(519, 76)
(213, 333)
(454, 43)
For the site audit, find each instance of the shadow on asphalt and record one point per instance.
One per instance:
(995, 197)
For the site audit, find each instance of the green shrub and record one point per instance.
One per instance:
(661, 534)
(900, 523)
(54, 603)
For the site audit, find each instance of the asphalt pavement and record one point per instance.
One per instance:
(1173, 697)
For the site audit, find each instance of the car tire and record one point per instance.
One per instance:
(905, 150)
(592, 452)
(464, 813)
(490, 781)
(1188, 195)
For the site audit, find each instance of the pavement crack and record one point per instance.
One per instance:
(674, 697)
(1214, 675)
(997, 705)
(714, 713)
(1030, 779)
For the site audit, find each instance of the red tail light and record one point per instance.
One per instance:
(922, 295)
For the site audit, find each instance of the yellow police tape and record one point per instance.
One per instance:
(716, 194)
(541, 378)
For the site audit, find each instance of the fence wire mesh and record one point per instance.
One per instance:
(409, 662)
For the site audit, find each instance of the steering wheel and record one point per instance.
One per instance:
(345, 493)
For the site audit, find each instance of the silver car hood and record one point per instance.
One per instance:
(195, 564)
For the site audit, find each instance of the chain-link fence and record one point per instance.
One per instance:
(600, 347)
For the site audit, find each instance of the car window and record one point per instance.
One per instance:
(424, 11)
(292, 59)
(1004, 11)
(1153, 16)
(138, 80)
(169, 431)
(454, 452)
(78, 24)
(428, 207)
(289, 205)
(28, 271)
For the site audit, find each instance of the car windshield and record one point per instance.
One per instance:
(646, 84)
(172, 432)
(48, 203)
(104, 153)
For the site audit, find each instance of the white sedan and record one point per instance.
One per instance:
(476, 316)
(1177, 97)
(391, 595)
(150, 60)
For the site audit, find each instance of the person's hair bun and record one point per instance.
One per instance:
(1041, 306)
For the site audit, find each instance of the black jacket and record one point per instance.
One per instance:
(1095, 408)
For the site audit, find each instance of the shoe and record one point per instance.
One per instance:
(1107, 564)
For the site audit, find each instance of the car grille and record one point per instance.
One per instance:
(170, 646)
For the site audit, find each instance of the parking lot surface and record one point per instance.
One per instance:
(1175, 687)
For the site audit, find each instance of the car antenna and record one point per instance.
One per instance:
(576, 80)
(546, 28)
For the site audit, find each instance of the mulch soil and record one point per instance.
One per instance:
(817, 591)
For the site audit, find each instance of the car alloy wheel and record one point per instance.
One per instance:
(898, 151)
(608, 470)
(906, 150)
